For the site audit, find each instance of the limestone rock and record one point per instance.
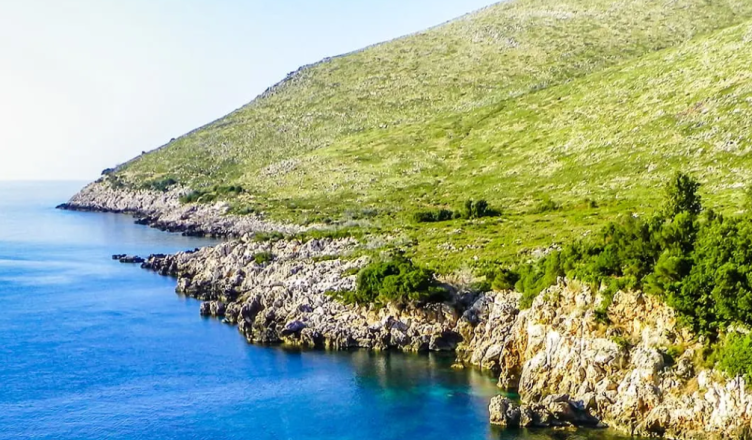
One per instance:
(504, 412)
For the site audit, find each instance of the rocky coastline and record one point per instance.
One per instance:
(164, 211)
(568, 368)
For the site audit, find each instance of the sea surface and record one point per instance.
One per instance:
(91, 348)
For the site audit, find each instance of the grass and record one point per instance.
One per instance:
(562, 114)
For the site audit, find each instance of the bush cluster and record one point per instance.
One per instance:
(161, 185)
(476, 209)
(440, 215)
(396, 281)
(734, 355)
(470, 210)
(698, 262)
(115, 181)
(263, 257)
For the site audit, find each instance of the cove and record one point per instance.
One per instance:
(91, 348)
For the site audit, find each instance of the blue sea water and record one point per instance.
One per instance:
(91, 348)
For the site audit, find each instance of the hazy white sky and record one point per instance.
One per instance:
(87, 84)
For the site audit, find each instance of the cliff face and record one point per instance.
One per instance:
(619, 373)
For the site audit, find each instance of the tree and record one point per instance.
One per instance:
(682, 196)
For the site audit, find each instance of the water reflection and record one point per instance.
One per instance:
(420, 395)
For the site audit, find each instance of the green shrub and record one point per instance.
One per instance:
(361, 214)
(699, 265)
(504, 279)
(748, 198)
(229, 189)
(614, 285)
(481, 286)
(440, 215)
(682, 196)
(192, 196)
(263, 257)
(330, 233)
(622, 342)
(714, 287)
(350, 272)
(211, 194)
(263, 237)
(537, 276)
(672, 353)
(115, 181)
(398, 281)
(242, 210)
(470, 210)
(161, 185)
(478, 209)
(527, 298)
(322, 258)
(734, 355)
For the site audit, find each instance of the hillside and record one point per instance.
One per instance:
(584, 104)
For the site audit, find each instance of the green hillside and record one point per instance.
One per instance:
(561, 114)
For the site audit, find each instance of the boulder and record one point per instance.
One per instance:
(293, 328)
(504, 412)
(205, 309)
(535, 416)
(217, 308)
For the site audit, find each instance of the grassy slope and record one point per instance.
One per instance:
(613, 137)
(512, 104)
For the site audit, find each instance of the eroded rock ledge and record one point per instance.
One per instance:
(164, 211)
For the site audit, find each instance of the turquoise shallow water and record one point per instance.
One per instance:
(91, 348)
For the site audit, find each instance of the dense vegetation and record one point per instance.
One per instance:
(734, 355)
(472, 209)
(397, 280)
(698, 261)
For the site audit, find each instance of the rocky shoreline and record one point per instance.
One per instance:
(568, 368)
(286, 300)
(164, 211)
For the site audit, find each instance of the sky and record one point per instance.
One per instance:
(88, 84)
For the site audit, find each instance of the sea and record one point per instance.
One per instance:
(94, 349)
